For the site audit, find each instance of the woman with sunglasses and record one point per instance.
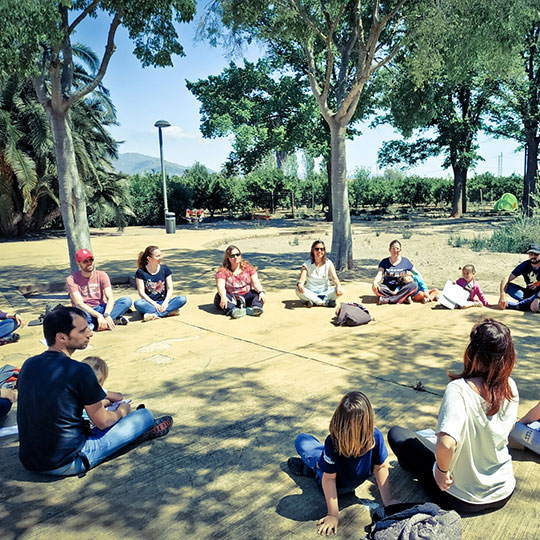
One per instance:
(313, 285)
(239, 290)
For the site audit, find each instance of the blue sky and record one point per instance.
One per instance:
(143, 96)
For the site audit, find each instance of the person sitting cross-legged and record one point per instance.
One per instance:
(90, 290)
(53, 389)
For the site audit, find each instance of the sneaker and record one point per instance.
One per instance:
(149, 317)
(384, 300)
(236, 313)
(241, 302)
(330, 303)
(309, 303)
(121, 321)
(174, 313)
(160, 428)
(299, 468)
(254, 311)
(12, 338)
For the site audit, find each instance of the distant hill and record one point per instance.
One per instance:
(133, 163)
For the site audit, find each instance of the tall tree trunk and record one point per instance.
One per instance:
(71, 191)
(329, 177)
(460, 180)
(529, 179)
(342, 254)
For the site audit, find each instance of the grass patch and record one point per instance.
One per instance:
(514, 237)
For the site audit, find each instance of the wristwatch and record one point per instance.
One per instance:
(106, 314)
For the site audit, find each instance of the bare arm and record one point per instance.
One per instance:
(382, 476)
(256, 284)
(377, 280)
(503, 300)
(302, 280)
(220, 284)
(102, 418)
(329, 524)
(444, 452)
(335, 279)
(168, 296)
(532, 416)
(109, 299)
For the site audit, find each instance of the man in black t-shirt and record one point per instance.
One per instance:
(53, 390)
(527, 297)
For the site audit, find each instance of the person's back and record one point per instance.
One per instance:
(482, 466)
(53, 390)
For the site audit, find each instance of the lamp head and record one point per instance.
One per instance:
(162, 124)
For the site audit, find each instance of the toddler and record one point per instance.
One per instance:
(470, 284)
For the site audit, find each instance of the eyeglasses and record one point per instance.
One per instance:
(319, 249)
(88, 261)
(234, 255)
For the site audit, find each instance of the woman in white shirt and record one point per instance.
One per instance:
(313, 285)
(470, 468)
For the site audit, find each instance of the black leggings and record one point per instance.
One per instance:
(416, 458)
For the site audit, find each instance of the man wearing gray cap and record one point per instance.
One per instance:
(527, 297)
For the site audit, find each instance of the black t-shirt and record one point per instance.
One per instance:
(529, 273)
(155, 285)
(53, 389)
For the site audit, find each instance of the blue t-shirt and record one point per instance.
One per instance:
(352, 471)
(155, 285)
(393, 272)
(530, 274)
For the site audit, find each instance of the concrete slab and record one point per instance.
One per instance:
(240, 391)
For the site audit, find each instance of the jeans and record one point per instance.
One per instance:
(525, 298)
(318, 298)
(143, 306)
(102, 443)
(119, 308)
(7, 327)
(416, 458)
(5, 406)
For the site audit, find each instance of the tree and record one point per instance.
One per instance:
(453, 93)
(36, 42)
(338, 46)
(518, 112)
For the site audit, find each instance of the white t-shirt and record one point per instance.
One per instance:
(317, 276)
(481, 466)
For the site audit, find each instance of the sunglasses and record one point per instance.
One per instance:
(88, 261)
(234, 255)
(319, 249)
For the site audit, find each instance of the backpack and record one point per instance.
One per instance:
(351, 314)
(8, 376)
(426, 521)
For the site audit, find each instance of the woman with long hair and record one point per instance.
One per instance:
(239, 291)
(470, 468)
(155, 287)
(313, 285)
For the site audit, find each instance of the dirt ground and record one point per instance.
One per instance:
(241, 390)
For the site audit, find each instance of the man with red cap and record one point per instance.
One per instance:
(91, 291)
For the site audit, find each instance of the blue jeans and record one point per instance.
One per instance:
(7, 327)
(5, 407)
(525, 297)
(143, 306)
(119, 308)
(102, 443)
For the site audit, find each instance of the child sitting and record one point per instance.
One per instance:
(422, 295)
(352, 452)
(102, 372)
(526, 431)
(468, 282)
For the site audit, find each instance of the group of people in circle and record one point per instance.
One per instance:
(469, 466)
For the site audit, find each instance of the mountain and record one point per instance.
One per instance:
(133, 163)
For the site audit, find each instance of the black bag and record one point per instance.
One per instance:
(352, 315)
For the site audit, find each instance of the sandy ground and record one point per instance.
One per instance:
(240, 391)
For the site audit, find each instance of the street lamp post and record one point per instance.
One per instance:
(163, 124)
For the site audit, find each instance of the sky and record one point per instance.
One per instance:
(143, 96)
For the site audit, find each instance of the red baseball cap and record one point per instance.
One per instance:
(82, 255)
